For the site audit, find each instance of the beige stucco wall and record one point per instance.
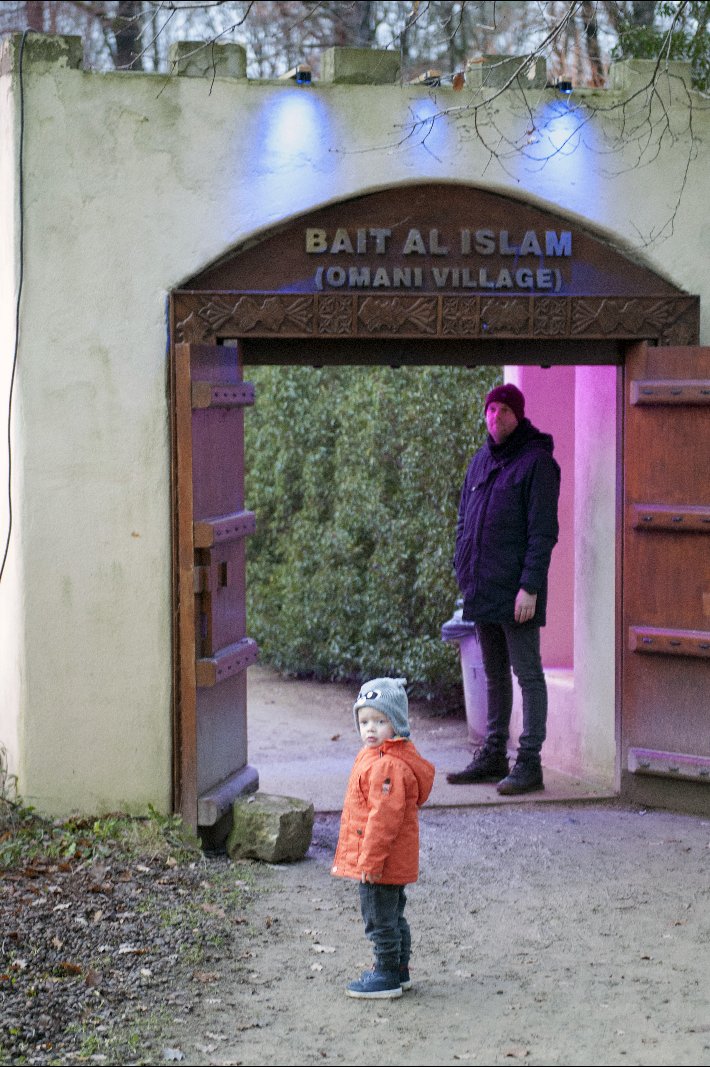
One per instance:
(11, 621)
(133, 183)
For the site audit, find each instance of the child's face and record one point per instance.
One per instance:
(375, 727)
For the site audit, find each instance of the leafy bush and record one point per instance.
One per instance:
(355, 474)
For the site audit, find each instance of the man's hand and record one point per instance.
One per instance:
(525, 606)
(365, 877)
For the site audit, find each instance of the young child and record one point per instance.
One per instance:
(379, 830)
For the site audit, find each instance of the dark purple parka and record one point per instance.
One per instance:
(507, 525)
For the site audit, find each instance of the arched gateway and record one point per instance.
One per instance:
(447, 274)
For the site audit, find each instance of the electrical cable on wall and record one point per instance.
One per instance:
(21, 212)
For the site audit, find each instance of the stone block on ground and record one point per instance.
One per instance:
(270, 828)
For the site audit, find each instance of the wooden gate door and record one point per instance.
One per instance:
(665, 631)
(212, 649)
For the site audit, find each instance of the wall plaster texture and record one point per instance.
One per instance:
(133, 183)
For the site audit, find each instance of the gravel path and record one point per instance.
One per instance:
(544, 934)
(548, 934)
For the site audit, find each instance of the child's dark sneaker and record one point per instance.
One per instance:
(404, 978)
(376, 984)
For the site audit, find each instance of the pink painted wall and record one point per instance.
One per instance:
(550, 405)
(577, 405)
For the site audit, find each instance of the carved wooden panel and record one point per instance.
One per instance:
(240, 314)
(461, 316)
(397, 315)
(204, 317)
(336, 315)
(551, 317)
(506, 315)
(642, 317)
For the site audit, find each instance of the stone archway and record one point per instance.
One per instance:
(433, 263)
(425, 274)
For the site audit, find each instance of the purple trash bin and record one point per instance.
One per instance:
(472, 674)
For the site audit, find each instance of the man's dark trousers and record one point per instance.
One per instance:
(504, 645)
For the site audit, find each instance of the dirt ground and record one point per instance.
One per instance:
(548, 934)
(547, 931)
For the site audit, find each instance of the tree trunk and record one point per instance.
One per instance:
(34, 14)
(365, 29)
(591, 37)
(127, 34)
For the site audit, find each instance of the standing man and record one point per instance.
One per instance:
(507, 528)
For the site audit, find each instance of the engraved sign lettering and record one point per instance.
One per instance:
(431, 258)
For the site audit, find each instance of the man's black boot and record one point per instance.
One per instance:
(525, 777)
(487, 765)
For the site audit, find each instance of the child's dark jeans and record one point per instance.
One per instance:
(382, 909)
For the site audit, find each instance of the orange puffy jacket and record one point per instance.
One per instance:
(379, 828)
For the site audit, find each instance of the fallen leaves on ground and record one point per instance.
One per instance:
(94, 951)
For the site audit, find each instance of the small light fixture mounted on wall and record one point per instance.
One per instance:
(565, 87)
(429, 77)
(300, 74)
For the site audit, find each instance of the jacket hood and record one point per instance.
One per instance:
(423, 770)
(524, 438)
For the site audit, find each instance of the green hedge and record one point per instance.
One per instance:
(354, 475)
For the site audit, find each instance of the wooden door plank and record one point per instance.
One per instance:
(676, 391)
(209, 532)
(222, 600)
(666, 573)
(671, 764)
(653, 517)
(227, 662)
(657, 640)
(222, 394)
(186, 696)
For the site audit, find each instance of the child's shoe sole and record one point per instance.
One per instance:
(382, 994)
(375, 985)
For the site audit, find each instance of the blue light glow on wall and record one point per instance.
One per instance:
(427, 129)
(292, 158)
(294, 124)
(563, 148)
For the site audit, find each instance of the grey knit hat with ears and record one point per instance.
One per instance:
(389, 696)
